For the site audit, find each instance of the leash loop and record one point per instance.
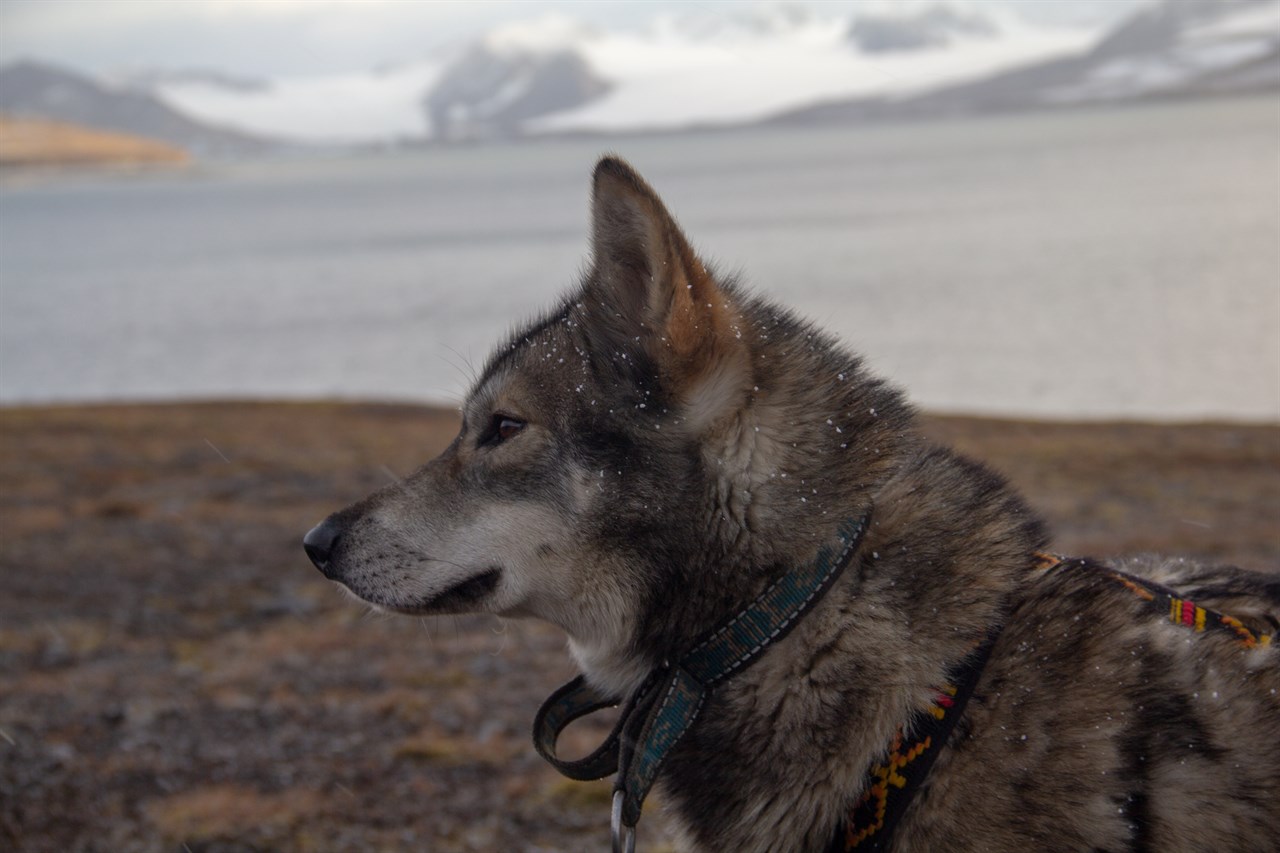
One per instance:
(572, 701)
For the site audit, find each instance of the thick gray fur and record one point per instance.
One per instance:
(640, 462)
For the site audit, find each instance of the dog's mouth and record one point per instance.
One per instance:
(461, 597)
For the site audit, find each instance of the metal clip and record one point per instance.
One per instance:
(624, 837)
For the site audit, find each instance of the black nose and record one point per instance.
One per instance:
(320, 542)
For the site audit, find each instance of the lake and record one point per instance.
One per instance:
(1078, 264)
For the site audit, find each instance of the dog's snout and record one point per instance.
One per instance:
(320, 542)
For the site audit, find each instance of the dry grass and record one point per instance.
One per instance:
(174, 673)
(39, 142)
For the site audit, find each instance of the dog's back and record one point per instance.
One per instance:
(1102, 720)
(1101, 723)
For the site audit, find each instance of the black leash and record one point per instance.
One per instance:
(665, 705)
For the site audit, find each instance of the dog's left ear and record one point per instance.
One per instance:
(653, 290)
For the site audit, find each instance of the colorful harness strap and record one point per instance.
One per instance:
(1170, 605)
(666, 704)
(891, 785)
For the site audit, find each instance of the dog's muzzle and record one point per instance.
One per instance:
(320, 542)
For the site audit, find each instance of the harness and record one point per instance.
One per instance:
(869, 824)
(658, 713)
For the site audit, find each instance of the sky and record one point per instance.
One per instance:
(301, 37)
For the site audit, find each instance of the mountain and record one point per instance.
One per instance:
(933, 27)
(1177, 48)
(680, 73)
(695, 68)
(488, 93)
(38, 91)
(552, 74)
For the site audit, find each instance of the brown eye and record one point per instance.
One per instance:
(501, 428)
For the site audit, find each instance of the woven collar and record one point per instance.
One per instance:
(665, 705)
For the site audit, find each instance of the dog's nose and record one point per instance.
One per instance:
(319, 543)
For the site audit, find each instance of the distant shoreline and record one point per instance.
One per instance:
(442, 408)
(41, 144)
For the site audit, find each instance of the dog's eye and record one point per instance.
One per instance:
(501, 428)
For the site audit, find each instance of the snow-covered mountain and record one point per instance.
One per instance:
(498, 85)
(38, 90)
(792, 63)
(666, 78)
(378, 106)
(933, 27)
(1180, 46)
(556, 75)
(1177, 48)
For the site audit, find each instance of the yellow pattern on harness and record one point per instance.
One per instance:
(1180, 611)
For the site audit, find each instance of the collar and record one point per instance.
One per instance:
(658, 713)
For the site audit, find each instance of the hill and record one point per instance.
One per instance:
(39, 142)
(34, 90)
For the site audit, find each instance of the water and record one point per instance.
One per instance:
(1083, 264)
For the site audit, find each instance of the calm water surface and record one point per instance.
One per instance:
(1083, 264)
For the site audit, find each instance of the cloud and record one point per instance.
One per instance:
(256, 36)
(297, 37)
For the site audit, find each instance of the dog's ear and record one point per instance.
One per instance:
(654, 291)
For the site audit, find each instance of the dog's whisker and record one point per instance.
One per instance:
(467, 369)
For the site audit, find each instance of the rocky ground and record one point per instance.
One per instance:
(174, 676)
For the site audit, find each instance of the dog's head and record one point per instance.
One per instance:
(578, 448)
(630, 443)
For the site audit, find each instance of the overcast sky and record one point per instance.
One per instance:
(271, 37)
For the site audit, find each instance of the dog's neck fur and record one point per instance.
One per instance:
(882, 619)
(775, 435)
(875, 619)
(756, 477)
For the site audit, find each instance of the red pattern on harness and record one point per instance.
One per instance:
(888, 783)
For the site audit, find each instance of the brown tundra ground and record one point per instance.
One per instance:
(174, 676)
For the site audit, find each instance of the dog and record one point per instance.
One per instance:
(672, 469)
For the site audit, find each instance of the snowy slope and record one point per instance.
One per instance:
(667, 78)
(554, 74)
(1171, 47)
(370, 107)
